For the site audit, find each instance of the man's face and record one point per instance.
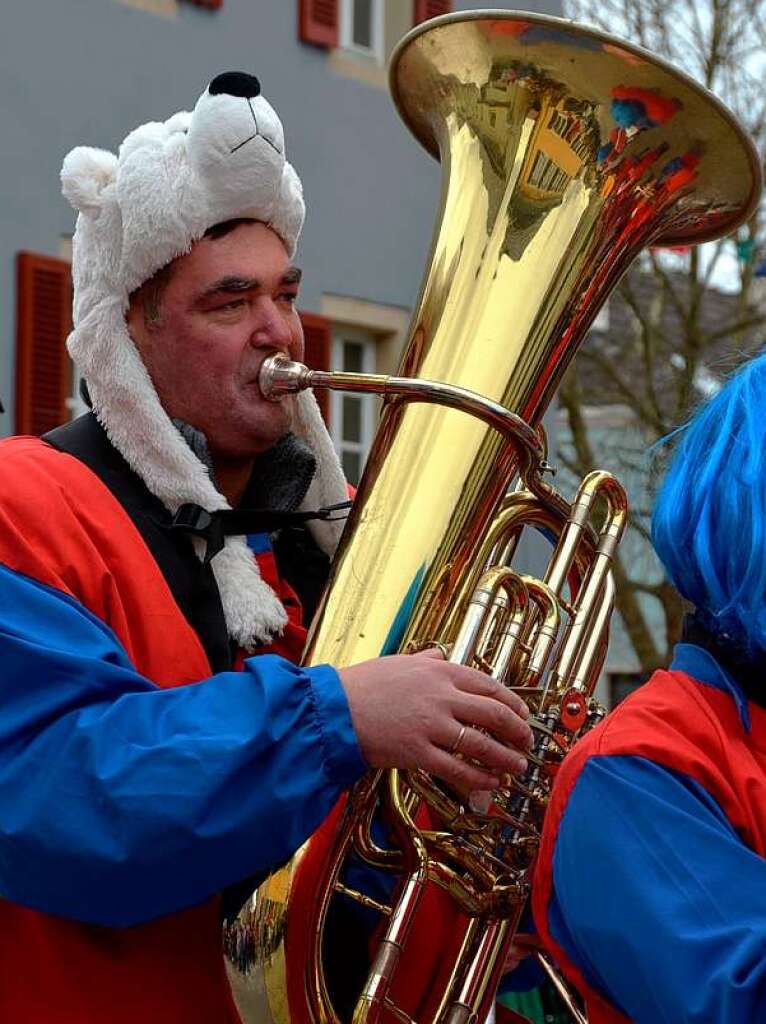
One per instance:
(228, 303)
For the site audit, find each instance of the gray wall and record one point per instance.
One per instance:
(87, 71)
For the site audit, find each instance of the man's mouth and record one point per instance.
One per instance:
(254, 380)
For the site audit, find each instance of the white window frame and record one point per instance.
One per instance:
(366, 340)
(376, 25)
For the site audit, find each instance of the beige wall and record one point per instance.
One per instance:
(387, 324)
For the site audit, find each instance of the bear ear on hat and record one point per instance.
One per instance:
(289, 209)
(84, 176)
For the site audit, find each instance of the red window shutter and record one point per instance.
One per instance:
(425, 9)
(317, 334)
(43, 321)
(318, 22)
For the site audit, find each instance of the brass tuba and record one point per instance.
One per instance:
(565, 152)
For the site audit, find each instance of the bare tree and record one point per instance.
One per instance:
(681, 335)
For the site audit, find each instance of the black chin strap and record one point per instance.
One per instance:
(214, 527)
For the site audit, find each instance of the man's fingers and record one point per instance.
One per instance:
(461, 775)
(430, 652)
(516, 953)
(470, 680)
(478, 746)
(498, 718)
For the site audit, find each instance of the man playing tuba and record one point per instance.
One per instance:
(159, 558)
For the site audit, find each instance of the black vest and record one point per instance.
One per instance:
(299, 561)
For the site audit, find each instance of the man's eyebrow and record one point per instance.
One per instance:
(229, 286)
(292, 275)
(234, 285)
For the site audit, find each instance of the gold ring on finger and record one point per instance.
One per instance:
(455, 748)
(444, 648)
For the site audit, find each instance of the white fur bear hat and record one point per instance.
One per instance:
(139, 210)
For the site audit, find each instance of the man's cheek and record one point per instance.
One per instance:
(298, 348)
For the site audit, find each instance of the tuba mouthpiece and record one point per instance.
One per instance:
(280, 376)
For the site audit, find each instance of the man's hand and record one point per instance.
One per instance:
(410, 710)
(522, 946)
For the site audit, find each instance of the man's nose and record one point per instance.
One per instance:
(272, 327)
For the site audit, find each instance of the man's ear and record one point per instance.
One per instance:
(85, 174)
(135, 320)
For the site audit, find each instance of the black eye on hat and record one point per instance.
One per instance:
(235, 83)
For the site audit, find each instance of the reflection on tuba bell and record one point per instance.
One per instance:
(565, 152)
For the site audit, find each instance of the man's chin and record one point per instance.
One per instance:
(254, 442)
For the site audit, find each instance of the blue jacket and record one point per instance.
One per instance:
(135, 782)
(651, 883)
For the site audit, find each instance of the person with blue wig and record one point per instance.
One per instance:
(650, 889)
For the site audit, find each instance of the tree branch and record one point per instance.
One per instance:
(736, 328)
(626, 599)
(627, 391)
(677, 329)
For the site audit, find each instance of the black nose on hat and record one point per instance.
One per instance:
(235, 83)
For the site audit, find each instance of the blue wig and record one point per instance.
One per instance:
(709, 522)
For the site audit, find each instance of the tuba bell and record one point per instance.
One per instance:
(564, 152)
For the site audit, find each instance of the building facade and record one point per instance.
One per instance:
(84, 72)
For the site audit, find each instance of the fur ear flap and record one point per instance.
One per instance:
(84, 176)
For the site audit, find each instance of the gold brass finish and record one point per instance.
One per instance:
(550, 191)
(563, 991)
(281, 376)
